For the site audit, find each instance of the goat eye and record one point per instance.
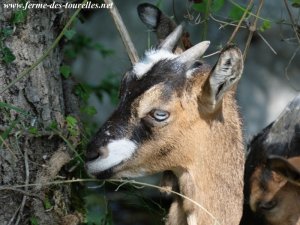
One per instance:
(267, 206)
(159, 115)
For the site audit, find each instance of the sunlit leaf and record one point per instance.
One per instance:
(265, 26)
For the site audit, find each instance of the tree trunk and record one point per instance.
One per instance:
(33, 103)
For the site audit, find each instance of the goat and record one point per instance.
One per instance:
(272, 175)
(177, 114)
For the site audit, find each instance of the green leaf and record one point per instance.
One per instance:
(89, 110)
(53, 125)
(217, 5)
(34, 221)
(71, 121)
(98, 210)
(6, 32)
(70, 52)
(200, 7)
(296, 3)
(265, 26)
(83, 91)
(12, 107)
(19, 16)
(7, 55)
(102, 50)
(236, 13)
(33, 130)
(214, 6)
(47, 203)
(69, 34)
(6, 133)
(72, 126)
(65, 71)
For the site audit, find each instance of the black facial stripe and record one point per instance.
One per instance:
(141, 133)
(168, 71)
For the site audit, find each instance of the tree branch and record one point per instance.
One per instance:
(252, 29)
(132, 53)
(240, 22)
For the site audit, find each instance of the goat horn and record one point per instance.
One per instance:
(194, 52)
(172, 39)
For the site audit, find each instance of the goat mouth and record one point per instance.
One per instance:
(106, 174)
(99, 174)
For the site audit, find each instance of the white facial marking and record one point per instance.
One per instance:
(118, 151)
(192, 219)
(152, 56)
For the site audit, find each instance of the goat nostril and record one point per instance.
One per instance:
(92, 155)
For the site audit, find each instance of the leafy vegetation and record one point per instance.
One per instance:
(18, 17)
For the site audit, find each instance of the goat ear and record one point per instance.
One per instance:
(156, 20)
(223, 76)
(149, 14)
(288, 168)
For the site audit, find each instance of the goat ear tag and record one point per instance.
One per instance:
(223, 76)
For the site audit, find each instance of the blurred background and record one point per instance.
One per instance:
(98, 59)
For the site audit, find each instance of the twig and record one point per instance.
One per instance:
(266, 42)
(57, 132)
(250, 13)
(26, 72)
(209, 55)
(8, 188)
(26, 182)
(171, 191)
(7, 146)
(97, 186)
(122, 184)
(120, 180)
(25, 133)
(14, 216)
(132, 53)
(224, 22)
(292, 20)
(252, 29)
(287, 67)
(240, 22)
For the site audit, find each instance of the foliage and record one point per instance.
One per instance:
(18, 17)
(34, 221)
(296, 3)
(77, 131)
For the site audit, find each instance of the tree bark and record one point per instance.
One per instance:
(29, 158)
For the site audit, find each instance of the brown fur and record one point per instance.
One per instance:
(205, 154)
(269, 186)
(199, 144)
